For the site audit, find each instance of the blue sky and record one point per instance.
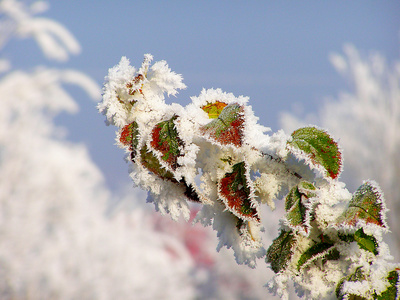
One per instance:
(275, 52)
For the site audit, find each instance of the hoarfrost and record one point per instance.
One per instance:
(325, 235)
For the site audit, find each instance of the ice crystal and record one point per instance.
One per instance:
(214, 152)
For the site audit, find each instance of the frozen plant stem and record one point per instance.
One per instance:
(330, 242)
(279, 160)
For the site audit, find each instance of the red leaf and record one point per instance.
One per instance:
(227, 128)
(235, 192)
(165, 139)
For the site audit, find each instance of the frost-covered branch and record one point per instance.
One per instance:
(54, 39)
(366, 117)
(53, 197)
(214, 152)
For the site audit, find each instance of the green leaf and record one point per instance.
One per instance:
(214, 109)
(129, 135)
(319, 147)
(227, 128)
(367, 204)
(332, 254)
(390, 293)
(364, 241)
(307, 189)
(151, 163)
(321, 249)
(280, 252)
(393, 290)
(235, 192)
(357, 276)
(165, 139)
(298, 210)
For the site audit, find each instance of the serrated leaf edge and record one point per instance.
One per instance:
(369, 228)
(291, 250)
(314, 258)
(206, 135)
(305, 228)
(302, 155)
(253, 202)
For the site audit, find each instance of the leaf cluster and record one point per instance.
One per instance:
(214, 152)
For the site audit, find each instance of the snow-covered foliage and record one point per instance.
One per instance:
(214, 153)
(366, 119)
(56, 240)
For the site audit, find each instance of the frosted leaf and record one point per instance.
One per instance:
(298, 205)
(232, 120)
(318, 149)
(210, 103)
(393, 291)
(227, 128)
(129, 137)
(165, 155)
(367, 207)
(237, 193)
(156, 163)
(214, 109)
(151, 162)
(323, 249)
(350, 286)
(280, 251)
(214, 152)
(165, 139)
(363, 240)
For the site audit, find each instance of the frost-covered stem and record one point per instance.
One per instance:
(330, 240)
(280, 161)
